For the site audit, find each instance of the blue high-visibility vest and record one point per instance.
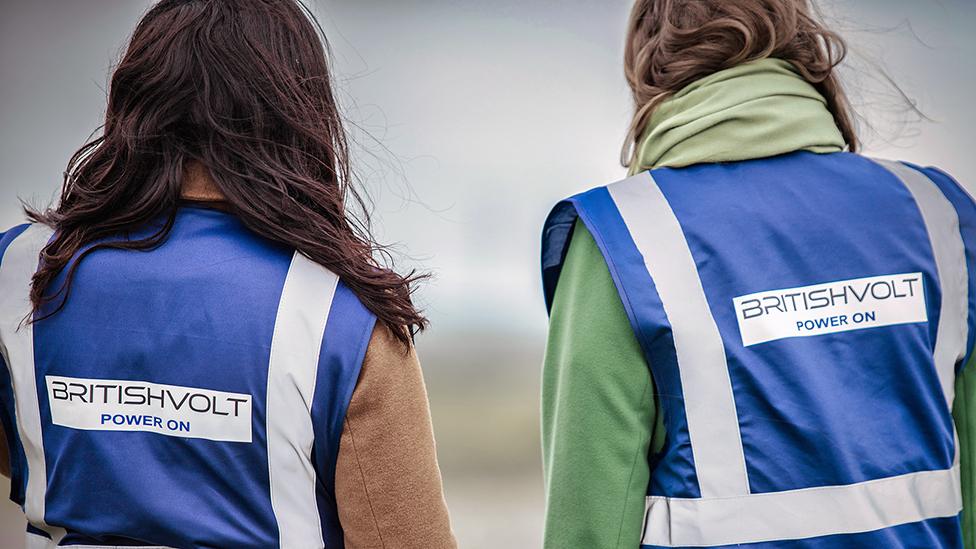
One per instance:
(804, 318)
(188, 396)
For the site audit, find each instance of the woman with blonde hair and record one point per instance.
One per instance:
(755, 338)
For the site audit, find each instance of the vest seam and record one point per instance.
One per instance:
(362, 478)
(638, 454)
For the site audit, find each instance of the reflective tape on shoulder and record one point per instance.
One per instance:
(303, 311)
(713, 425)
(17, 340)
(942, 224)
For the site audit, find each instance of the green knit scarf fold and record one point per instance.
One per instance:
(754, 110)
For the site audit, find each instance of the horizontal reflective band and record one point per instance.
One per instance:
(35, 541)
(805, 513)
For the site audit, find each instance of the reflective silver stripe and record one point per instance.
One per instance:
(861, 507)
(713, 424)
(949, 250)
(299, 326)
(17, 266)
(807, 513)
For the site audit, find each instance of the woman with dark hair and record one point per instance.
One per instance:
(200, 346)
(755, 339)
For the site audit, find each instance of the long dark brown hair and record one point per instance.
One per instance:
(672, 43)
(243, 88)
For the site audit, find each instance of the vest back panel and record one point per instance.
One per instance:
(791, 312)
(188, 397)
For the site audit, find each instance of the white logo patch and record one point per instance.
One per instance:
(115, 405)
(832, 307)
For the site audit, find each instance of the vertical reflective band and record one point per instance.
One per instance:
(713, 425)
(16, 269)
(942, 223)
(299, 326)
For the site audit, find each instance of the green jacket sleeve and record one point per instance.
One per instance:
(964, 412)
(598, 410)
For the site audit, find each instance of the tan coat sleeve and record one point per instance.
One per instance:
(388, 484)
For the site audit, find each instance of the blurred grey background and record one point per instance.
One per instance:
(471, 119)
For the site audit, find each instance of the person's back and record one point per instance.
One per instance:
(777, 300)
(201, 345)
(242, 352)
(755, 338)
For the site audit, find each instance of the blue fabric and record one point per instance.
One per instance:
(9, 236)
(556, 234)
(346, 338)
(18, 460)
(784, 222)
(675, 468)
(7, 419)
(966, 209)
(755, 226)
(198, 311)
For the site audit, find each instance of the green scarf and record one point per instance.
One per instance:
(755, 110)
